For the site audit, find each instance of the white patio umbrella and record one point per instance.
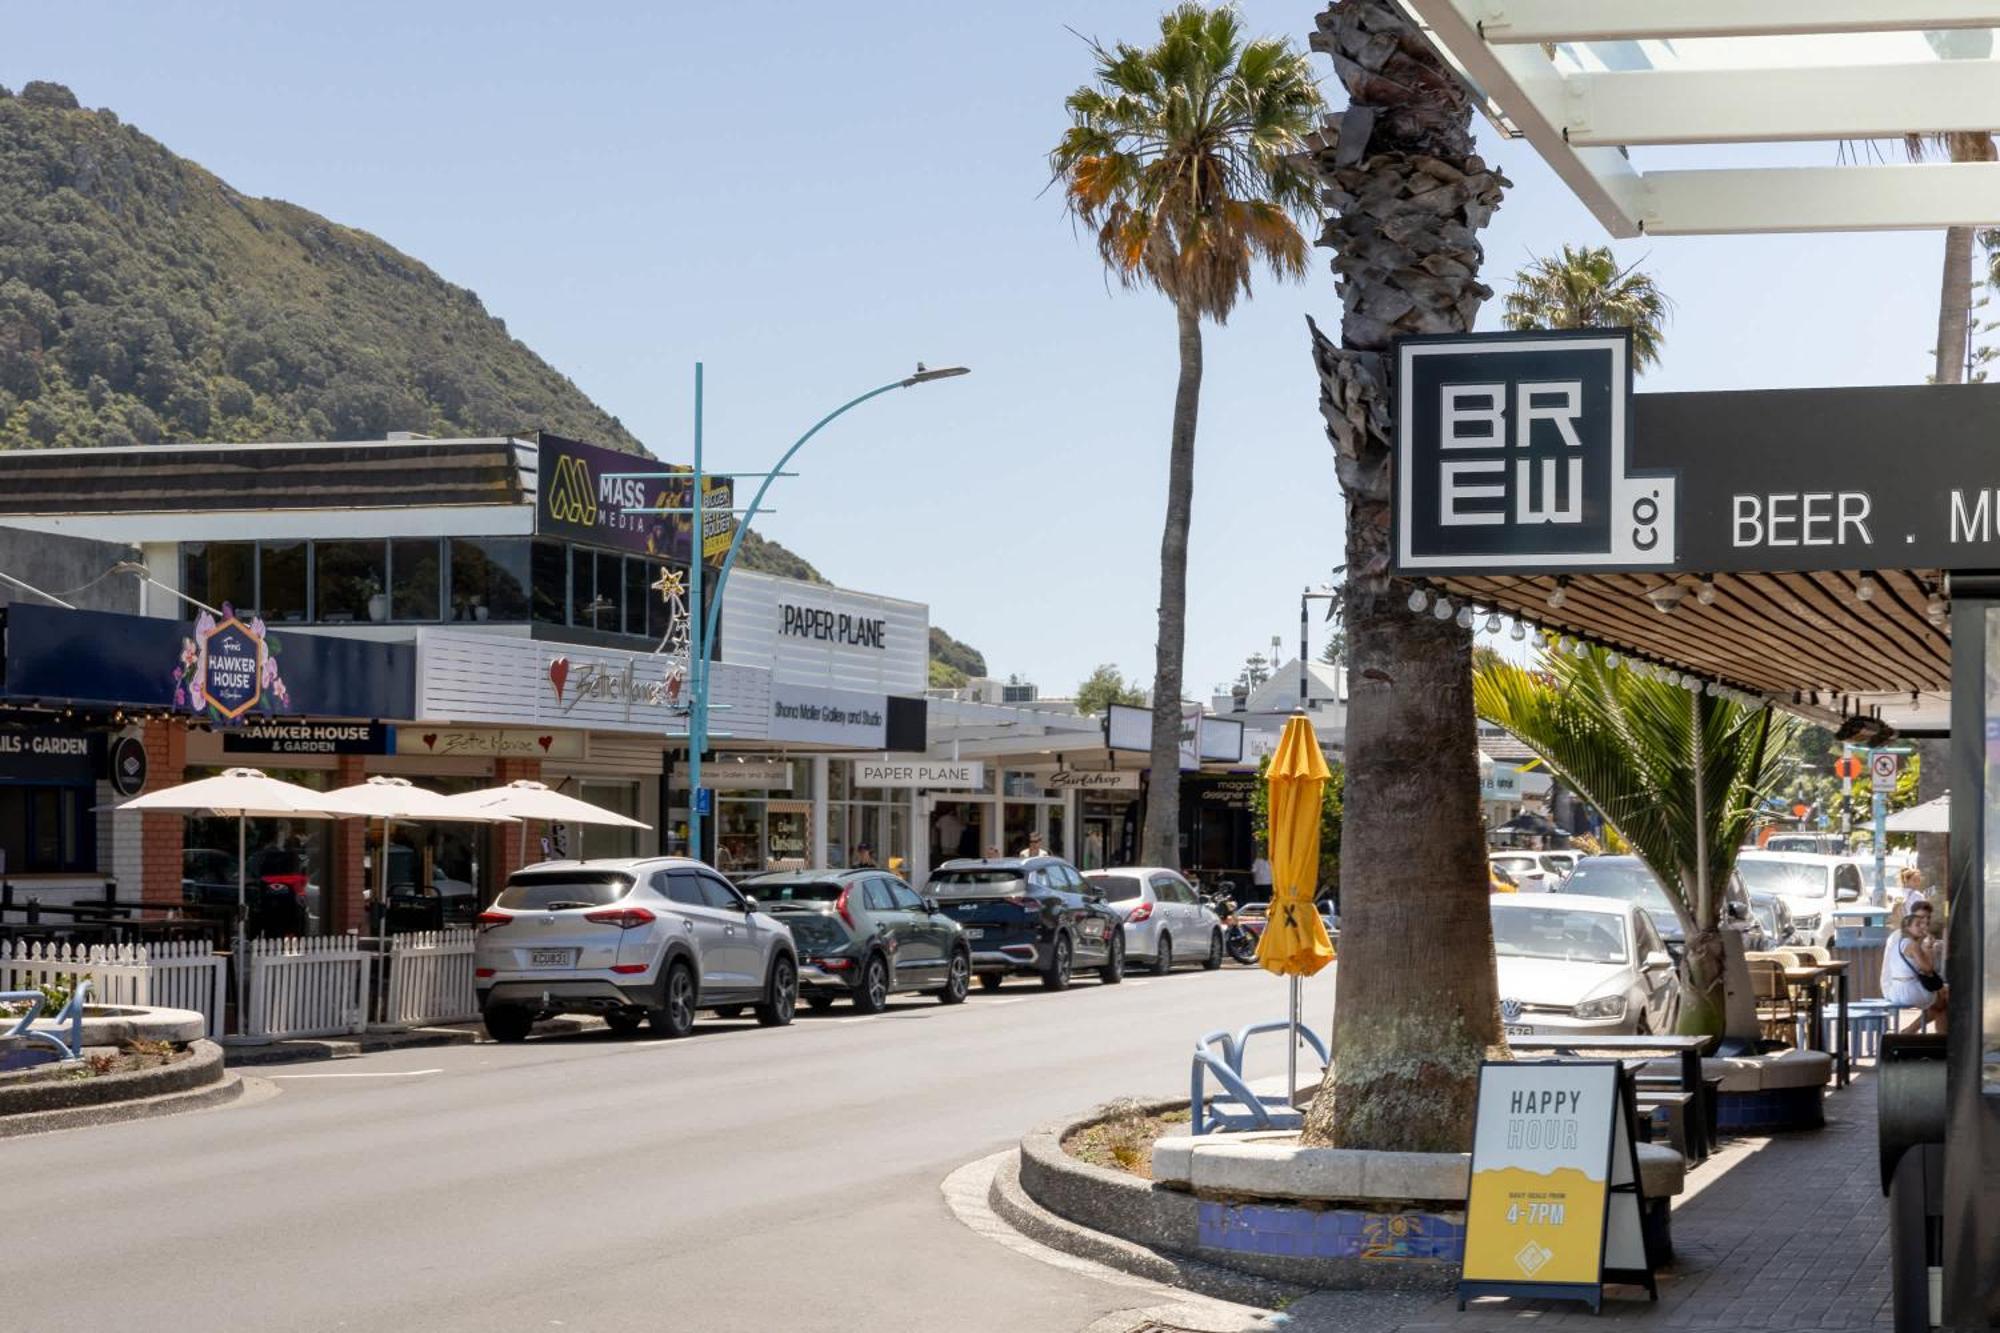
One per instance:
(1933, 816)
(525, 800)
(400, 801)
(242, 794)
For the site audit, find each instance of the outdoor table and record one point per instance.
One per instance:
(1815, 976)
(1689, 1048)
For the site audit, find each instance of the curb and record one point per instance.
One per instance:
(302, 1049)
(110, 1113)
(56, 1096)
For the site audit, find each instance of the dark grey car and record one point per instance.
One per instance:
(864, 935)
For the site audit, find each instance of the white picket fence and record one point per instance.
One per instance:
(175, 974)
(311, 987)
(430, 978)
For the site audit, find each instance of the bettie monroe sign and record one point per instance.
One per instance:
(1526, 453)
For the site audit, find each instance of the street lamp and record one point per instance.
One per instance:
(702, 626)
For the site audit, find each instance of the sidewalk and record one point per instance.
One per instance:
(1786, 1232)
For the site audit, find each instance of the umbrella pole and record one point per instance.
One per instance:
(242, 932)
(1292, 1049)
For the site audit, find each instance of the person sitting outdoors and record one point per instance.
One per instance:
(1911, 978)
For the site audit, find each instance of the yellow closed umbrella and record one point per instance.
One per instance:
(1295, 943)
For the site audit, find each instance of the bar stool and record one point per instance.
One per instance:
(1867, 1022)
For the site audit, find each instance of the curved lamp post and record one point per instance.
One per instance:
(703, 626)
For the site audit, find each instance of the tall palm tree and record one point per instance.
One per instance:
(1677, 772)
(1583, 288)
(1184, 157)
(1416, 1009)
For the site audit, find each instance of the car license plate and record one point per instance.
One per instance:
(975, 933)
(549, 957)
(1517, 1030)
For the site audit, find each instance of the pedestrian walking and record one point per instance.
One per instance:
(1260, 875)
(1911, 977)
(1034, 847)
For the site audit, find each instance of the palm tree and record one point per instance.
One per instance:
(1183, 156)
(1583, 288)
(1416, 1009)
(1677, 772)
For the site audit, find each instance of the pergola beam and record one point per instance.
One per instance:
(1920, 197)
(1712, 106)
(1533, 22)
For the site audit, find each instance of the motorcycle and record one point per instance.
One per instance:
(1238, 940)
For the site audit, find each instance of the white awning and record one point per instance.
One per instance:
(1679, 117)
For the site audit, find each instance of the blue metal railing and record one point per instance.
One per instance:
(1219, 1055)
(72, 1014)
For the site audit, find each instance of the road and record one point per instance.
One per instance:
(740, 1179)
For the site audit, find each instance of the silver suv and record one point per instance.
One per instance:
(652, 939)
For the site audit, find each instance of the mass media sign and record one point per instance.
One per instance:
(1512, 451)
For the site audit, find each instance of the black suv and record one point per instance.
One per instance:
(863, 935)
(1031, 914)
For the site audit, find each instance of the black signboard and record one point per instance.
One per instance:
(128, 766)
(581, 497)
(1522, 454)
(310, 738)
(50, 756)
(202, 669)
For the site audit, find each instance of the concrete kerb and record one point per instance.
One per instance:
(292, 1050)
(66, 1103)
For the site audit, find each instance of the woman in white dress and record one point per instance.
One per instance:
(1908, 958)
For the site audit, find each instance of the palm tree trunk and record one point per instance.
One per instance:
(1163, 783)
(1416, 1009)
(1954, 307)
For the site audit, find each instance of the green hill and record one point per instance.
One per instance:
(143, 301)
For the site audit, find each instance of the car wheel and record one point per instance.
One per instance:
(1061, 957)
(1113, 970)
(957, 979)
(508, 1022)
(819, 1001)
(675, 1018)
(729, 1011)
(1214, 959)
(781, 996)
(991, 981)
(871, 990)
(1163, 958)
(624, 1022)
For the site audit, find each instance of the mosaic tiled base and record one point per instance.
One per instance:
(1333, 1233)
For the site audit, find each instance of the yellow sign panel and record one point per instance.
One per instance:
(1541, 1174)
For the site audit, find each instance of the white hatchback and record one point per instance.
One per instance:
(1812, 886)
(1569, 964)
(1166, 918)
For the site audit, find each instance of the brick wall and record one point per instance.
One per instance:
(160, 836)
(506, 838)
(344, 906)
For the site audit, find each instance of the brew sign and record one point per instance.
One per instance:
(231, 672)
(1513, 451)
(1555, 1204)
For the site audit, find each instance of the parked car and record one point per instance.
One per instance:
(1774, 923)
(1811, 885)
(1631, 880)
(864, 935)
(635, 940)
(1034, 914)
(1572, 963)
(1558, 863)
(1523, 870)
(208, 885)
(1815, 844)
(1165, 918)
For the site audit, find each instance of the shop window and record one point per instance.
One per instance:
(489, 578)
(47, 830)
(284, 581)
(608, 608)
(286, 871)
(220, 572)
(582, 588)
(550, 580)
(414, 578)
(350, 581)
(619, 798)
(637, 571)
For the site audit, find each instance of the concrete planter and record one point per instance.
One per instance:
(201, 1068)
(1261, 1204)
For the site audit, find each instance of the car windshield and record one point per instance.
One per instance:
(1515, 865)
(817, 891)
(1618, 879)
(552, 894)
(976, 883)
(1116, 888)
(1555, 932)
(1794, 879)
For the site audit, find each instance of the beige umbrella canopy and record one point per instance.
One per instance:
(525, 800)
(400, 801)
(1933, 816)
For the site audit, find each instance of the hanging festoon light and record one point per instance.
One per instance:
(1705, 594)
(1443, 609)
(1582, 649)
(1559, 594)
(1465, 617)
(1519, 632)
(1865, 589)
(1493, 622)
(1611, 661)
(1419, 599)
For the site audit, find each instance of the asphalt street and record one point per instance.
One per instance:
(741, 1179)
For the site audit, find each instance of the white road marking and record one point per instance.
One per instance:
(374, 1073)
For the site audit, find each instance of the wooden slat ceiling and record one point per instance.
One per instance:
(1772, 634)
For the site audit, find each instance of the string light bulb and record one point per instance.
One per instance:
(1493, 623)
(1705, 594)
(1443, 608)
(1865, 590)
(1559, 594)
(1464, 617)
(1518, 633)
(1419, 599)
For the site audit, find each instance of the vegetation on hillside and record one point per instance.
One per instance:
(953, 663)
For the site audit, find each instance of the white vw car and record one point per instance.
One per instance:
(1570, 964)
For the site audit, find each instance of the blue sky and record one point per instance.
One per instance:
(810, 198)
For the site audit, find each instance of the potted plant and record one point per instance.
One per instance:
(378, 600)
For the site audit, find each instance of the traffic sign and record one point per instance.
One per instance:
(1847, 767)
(1884, 765)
